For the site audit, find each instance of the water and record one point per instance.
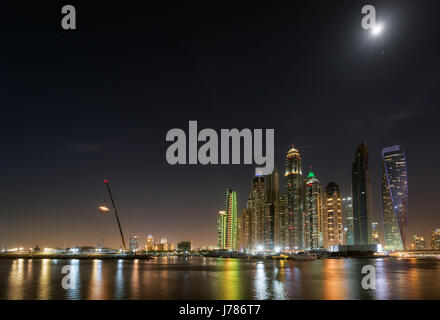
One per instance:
(212, 278)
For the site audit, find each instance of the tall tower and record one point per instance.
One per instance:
(256, 210)
(221, 229)
(394, 197)
(348, 221)
(314, 227)
(150, 243)
(333, 215)
(361, 195)
(271, 210)
(294, 200)
(231, 219)
(280, 224)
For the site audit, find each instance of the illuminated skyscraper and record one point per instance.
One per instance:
(375, 233)
(314, 231)
(231, 220)
(435, 239)
(294, 200)
(243, 230)
(348, 221)
(256, 210)
(150, 243)
(419, 243)
(280, 224)
(134, 243)
(394, 197)
(221, 229)
(271, 209)
(333, 216)
(361, 195)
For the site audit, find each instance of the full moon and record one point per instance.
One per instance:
(377, 29)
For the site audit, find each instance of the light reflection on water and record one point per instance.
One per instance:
(212, 278)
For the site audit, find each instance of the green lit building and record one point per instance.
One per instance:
(314, 231)
(221, 229)
(231, 220)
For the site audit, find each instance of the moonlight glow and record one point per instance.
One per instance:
(377, 29)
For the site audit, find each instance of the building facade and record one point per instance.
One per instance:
(271, 210)
(256, 211)
(394, 197)
(375, 233)
(150, 243)
(134, 243)
(314, 231)
(185, 246)
(418, 243)
(294, 200)
(361, 196)
(348, 221)
(221, 229)
(435, 239)
(231, 220)
(333, 216)
(281, 225)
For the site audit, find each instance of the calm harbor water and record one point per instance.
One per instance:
(216, 278)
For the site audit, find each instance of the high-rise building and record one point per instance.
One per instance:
(435, 239)
(394, 197)
(375, 233)
(163, 245)
(418, 243)
(245, 229)
(270, 210)
(348, 221)
(184, 246)
(134, 243)
(314, 231)
(294, 200)
(150, 243)
(221, 229)
(280, 224)
(361, 195)
(231, 220)
(256, 211)
(333, 216)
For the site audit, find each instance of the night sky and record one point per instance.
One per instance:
(81, 106)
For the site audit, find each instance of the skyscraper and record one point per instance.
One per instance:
(150, 243)
(361, 195)
(314, 231)
(280, 224)
(134, 243)
(271, 209)
(256, 210)
(294, 200)
(348, 221)
(375, 233)
(435, 239)
(419, 243)
(221, 229)
(394, 197)
(231, 219)
(333, 215)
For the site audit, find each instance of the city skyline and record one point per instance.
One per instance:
(231, 203)
(72, 117)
